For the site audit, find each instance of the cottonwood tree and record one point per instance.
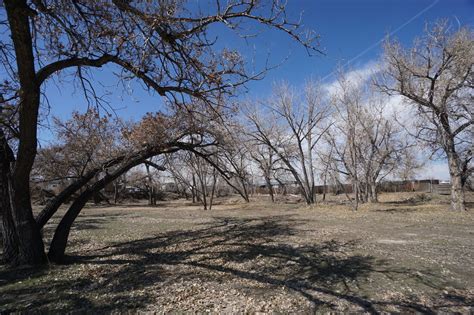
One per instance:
(200, 169)
(292, 128)
(195, 175)
(266, 161)
(409, 164)
(233, 159)
(436, 77)
(152, 183)
(82, 142)
(229, 159)
(365, 142)
(183, 180)
(145, 179)
(204, 177)
(162, 44)
(155, 134)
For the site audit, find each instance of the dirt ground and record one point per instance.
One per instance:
(408, 253)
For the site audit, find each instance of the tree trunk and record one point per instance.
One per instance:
(373, 193)
(244, 193)
(9, 237)
(31, 248)
(8, 230)
(455, 172)
(324, 186)
(213, 190)
(193, 189)
(270, 188)
(151, 192)
(457, 193)
(61, 235)
(204, 192)
(50, 209)
(356, 194)
(116, 183)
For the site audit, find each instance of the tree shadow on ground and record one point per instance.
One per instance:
(86, 222)
(245, 252)
(397, 210)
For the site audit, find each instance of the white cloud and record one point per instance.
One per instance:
(395, 104)
(435, 170)
(357, 77)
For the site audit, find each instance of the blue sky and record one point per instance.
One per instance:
(350, 30)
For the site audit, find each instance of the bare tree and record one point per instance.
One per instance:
(409, 164)
(162, 44)
(152, 182)
(436, 77)
(196, 175)
(154, 135)
(296, 126)
(266, 160)
(365, 142)
(82, 142)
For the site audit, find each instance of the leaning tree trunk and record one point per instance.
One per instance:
(52, 206)
(61, 235)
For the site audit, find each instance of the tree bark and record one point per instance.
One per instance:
(31, 248)
(8, 230)
(454, 164)
(457, 194)
(373, 193)
(213, 189)
(457, 187)
(50, 209)
(116, 192)
(270, 188)
(61, 235)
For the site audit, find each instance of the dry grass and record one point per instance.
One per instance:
(406, 254)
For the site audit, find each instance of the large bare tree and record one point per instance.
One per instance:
(266, 161)
(436, 77)
(163, 44)
(365, 142)
(292, 128)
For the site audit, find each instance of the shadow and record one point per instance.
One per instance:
(243, 249)
(397, 210)
(251, 255)
(85, 222)
(143, 205)
(409, 201)
(414, 200)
